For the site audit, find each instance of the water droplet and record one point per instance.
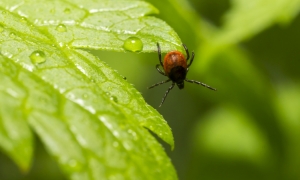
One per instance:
(4, 12)
(73, 165)
(67, 11)
(61, 44)
(85, 96)
(37, 57)
(133, 44)
(113, 98)
(23, 20)
(132, 133)
(61, 28)
(52, 11)
(12, 35)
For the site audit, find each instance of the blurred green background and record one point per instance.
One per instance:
(250, 127)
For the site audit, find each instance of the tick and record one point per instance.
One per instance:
(175, 68)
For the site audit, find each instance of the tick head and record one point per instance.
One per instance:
(180, 85)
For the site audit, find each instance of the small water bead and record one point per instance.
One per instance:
(61, 44)
(61, 28)
(52, 11)
(67, 11)
(72, 165)
(4, 12)
(12, 35)
(37, 57)
(133, 44)
(113, 98)
(23, 20)
(132, 133)
(85, 96)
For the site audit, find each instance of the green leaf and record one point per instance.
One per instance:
(247, 18)
(15, 135)
(90, 119)
(101, 24)
(244, 142)
(287, 102)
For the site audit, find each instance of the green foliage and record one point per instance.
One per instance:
(89, 118)
(249, 128)
(247, 18)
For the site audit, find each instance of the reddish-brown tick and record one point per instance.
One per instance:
(175, 68)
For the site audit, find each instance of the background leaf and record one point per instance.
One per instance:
(15, 135)
(246, 65)
(247, 18)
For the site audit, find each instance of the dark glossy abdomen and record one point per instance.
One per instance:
(174, 59)
(177, 74)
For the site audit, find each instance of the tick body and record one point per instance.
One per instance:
(175, 68)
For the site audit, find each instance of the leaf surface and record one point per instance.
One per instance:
(101, 24)
(88, 116)
(247, 18)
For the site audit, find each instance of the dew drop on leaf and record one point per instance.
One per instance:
(72, 165)
(23, 20)
(85, 96)
(4, 12)
(113, 98)
(61, 28)
(67, 11)
(37, 57)
(133, 44)
(12, 35)
(132, 133)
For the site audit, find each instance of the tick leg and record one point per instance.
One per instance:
(202, 84)
(192, 59)
(167, 92)
(159, 54)
(186, 51)
(154, 85)
(160, 71)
